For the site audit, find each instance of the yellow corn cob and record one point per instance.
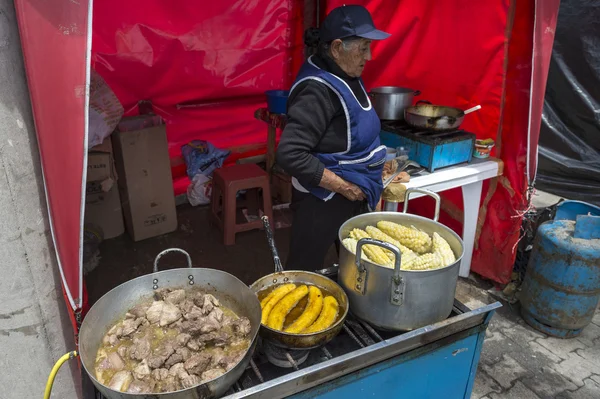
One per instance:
(407, 254)
(327, 316)
(442, 248)
(350, 244)
(310, 313)
(417, 240)
(425, 262)
(276, 295)
(374, 253)
(284, 306)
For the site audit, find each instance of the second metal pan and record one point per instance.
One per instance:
(434, 117)
(299, 341)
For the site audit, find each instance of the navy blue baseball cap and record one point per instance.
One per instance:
(347, 21)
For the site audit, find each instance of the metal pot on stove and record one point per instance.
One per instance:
(390, 102)
(395, 299)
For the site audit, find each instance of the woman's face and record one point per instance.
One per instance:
(351, 56)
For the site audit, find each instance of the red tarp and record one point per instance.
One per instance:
(218, 57)
(54, 41)
(224, 55)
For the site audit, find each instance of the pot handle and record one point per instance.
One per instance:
(163, 253)
(397, 286)
(424, 191)
(417, 93)
(271, 242)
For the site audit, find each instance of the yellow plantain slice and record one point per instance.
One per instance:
(284, 306)
(310, 313)
(275, 296)
(327, 316)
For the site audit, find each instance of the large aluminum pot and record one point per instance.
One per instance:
(390, 102)
(113, 305)
(394, 299)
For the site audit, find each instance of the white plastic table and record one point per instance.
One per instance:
(470, 178)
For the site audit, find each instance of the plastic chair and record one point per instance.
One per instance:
(226, 184)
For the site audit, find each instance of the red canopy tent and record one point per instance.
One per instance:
(222, 56)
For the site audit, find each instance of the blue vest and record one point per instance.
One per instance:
(362, 161)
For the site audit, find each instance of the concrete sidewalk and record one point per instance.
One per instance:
(521, 363)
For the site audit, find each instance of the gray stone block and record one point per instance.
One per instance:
(561, 347)
(518, 391)
(575, 368)
(506, 371)
(548, 383)
(591, 390)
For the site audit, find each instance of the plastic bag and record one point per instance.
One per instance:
(200, 190)
(105, 111)
(201, 157)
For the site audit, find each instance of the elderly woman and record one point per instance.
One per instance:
(330, 145)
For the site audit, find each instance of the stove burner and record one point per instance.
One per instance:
(284, 358)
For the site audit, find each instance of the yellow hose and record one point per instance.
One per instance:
(52, 375)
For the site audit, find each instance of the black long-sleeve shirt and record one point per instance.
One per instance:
(316, 124)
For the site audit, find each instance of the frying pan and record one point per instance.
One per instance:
(299, 341)
(435, 117)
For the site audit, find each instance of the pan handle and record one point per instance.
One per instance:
(397, 284)
(271, 242)
(166, 251)
(163, 253)
(424, 191)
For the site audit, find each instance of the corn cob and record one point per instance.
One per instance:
(374, 253)
(425, 262)
(310, 313)
(275, 296)
(407, 254)
(284, 306)
(350, 244)
(442, 248)
(410, 237)
(327, 316)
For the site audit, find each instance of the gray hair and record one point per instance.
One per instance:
(347, 44)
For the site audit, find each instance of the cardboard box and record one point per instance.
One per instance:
(145, 182)
(102, 202)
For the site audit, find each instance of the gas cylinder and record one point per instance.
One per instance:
(561, 288)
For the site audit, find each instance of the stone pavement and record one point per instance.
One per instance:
(521, 363)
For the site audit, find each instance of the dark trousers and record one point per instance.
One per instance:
(315, 228)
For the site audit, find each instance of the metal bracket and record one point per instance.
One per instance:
(397, 291)
(361, 279)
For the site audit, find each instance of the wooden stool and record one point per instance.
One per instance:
(226, 184)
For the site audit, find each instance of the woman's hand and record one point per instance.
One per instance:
(333, 182)
(352, 192)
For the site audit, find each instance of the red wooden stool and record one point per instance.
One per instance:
(226, 184)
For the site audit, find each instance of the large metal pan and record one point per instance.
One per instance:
(435, 117)
(113, 305)
(299, 341)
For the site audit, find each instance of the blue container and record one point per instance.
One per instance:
(561, 288)
(277, 101)
(433, 152)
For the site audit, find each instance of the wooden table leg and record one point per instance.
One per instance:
(271, 136)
